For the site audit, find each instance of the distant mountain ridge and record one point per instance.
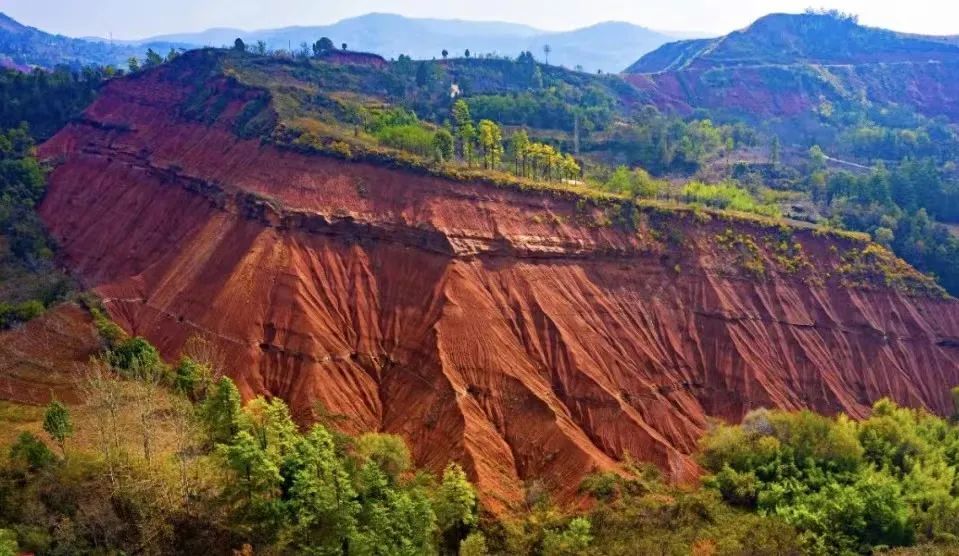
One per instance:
(23, 47)
(609, 46)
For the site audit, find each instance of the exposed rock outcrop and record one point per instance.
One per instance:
(525, 335)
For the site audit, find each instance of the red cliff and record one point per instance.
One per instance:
(522, 334)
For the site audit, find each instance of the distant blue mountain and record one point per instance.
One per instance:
(23, 47)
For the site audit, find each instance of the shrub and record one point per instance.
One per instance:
(726, 196)
(8, 543)
(135, 356)
(110, 333)
(602, 486)
(474, 545)
(413, 138)
(19, 313)
(31, 452)
(574, 540)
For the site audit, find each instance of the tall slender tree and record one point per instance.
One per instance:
(57, 423)
(518, 145)
(463, 129)
(491, 141)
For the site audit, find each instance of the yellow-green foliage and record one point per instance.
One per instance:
(789, 254)
(152, 469)
(847, 486)
(637, 512)
(747, 253)
(726, 196)
(874, 265)
(305, 137)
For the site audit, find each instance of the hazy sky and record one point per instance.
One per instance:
(137, 19)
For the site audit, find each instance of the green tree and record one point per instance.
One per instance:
(322, 46)
(153, 59)
(463, 129)
(255, 485)
(133, 64)
(445, 53)
(270, 423)
(537, 78)
(518, 146)
(260, 48)
(460, 114)
(443, 144)
(571, 169)
(546, 51)
(322, 497)
(393, 519)
(220, 411)
(619, 181)
(467, 136)
(645, 186)
(883, 236)
(817, 158)
(239, 45)
(423, 75)
(57, 423)
(455, 506)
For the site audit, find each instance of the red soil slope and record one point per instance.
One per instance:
(45, 358)
(517, 333)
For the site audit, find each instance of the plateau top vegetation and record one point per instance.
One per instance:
(599, 136)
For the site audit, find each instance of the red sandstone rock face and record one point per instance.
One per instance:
(502, 329)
